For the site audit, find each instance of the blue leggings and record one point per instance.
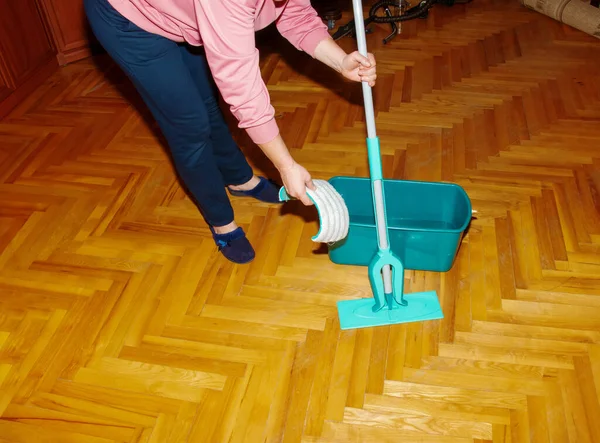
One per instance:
(175, 83)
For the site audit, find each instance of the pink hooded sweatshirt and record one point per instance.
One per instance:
(226, 30)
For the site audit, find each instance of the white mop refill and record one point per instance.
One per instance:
(333, 212)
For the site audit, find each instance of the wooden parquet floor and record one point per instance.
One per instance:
(119, 321)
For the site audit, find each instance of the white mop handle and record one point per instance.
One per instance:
(372, 133)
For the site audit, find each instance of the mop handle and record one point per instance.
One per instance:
(382, 230)
(362, 49)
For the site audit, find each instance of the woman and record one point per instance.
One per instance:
(155, 42)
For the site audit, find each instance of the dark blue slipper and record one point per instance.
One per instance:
(265, 191)
(234, 246)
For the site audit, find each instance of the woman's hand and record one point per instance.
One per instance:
(295, 180)
(358, 68)
(353, 66)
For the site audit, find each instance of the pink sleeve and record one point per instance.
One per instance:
(300, 24)
(227, 28)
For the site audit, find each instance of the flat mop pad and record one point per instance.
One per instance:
(333, 213)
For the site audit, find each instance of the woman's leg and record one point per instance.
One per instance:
(230, 159)
(156, 68)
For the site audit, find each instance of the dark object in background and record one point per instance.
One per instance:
(395, 11)
(328, 10)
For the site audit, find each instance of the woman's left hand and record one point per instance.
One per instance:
(358, 68)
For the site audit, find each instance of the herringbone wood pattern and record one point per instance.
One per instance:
(119, 321)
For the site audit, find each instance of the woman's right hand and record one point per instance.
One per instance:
(295, 180)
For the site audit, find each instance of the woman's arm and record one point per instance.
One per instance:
(300, 25)
(234, 61)
(303, 28)
(228, 38)
(329, 53)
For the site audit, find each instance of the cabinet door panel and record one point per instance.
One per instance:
(24, 45)
(6, 85)
(69, 28)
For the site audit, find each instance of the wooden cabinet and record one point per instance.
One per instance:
(23, 38)
(27, 55)
(6, 86)
(69, 29)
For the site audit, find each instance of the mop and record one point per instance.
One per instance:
(386, 271)
(389, 305)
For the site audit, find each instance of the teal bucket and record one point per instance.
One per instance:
(426, 222)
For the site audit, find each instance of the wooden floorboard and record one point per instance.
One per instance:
(120, 321)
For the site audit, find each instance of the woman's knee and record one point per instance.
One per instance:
(189, 141)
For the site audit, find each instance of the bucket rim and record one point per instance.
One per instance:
(462, 191)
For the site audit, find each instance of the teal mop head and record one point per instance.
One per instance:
(392, 306)
(362, 313)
